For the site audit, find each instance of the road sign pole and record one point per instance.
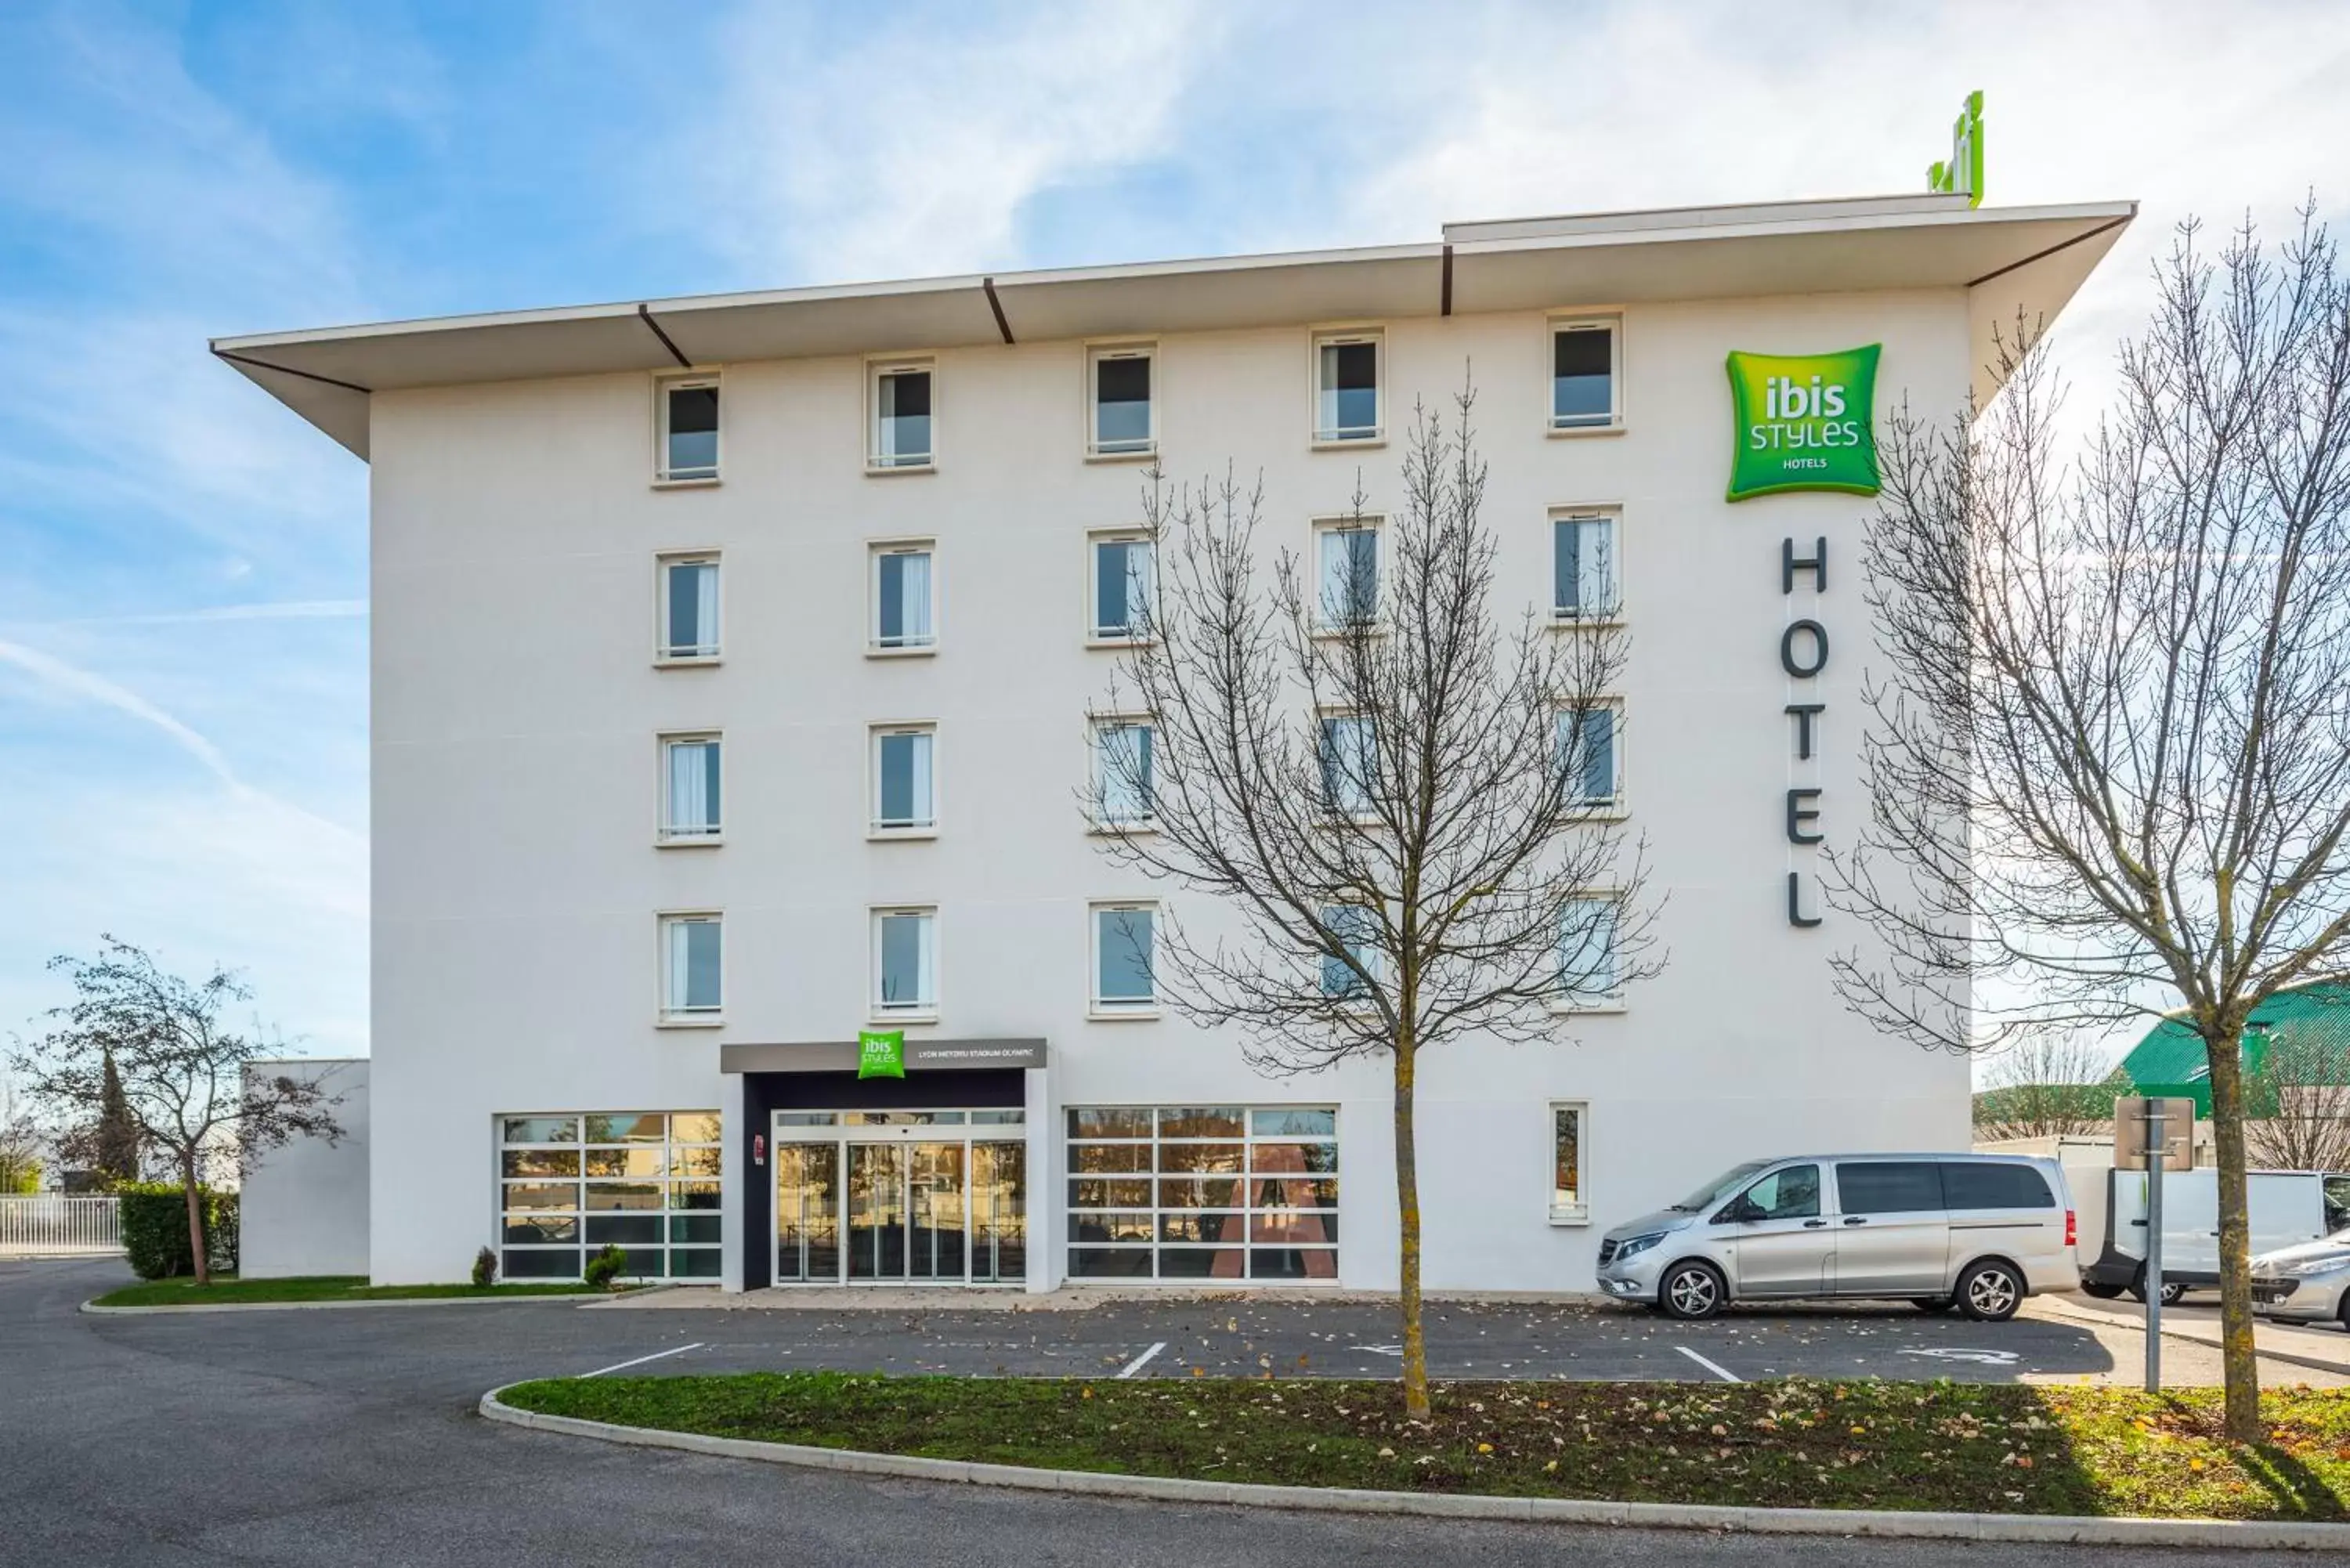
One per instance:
(2154, 1120)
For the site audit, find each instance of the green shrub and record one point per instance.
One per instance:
(155, 1229)
(605, 1268)
(486, 1268)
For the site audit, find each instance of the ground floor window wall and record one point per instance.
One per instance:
(1204, 1192)
(571, 1183)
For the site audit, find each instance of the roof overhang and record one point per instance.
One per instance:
(2009, 258)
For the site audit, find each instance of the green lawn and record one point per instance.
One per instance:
(1962, 1447)
(227, 1288)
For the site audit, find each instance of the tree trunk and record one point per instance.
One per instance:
(196, 1222)
(2238, 1361)
(1415, 1343)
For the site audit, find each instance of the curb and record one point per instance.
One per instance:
(198, 1309)
(2062, 1529)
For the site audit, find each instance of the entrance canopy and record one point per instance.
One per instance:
(841, 1056)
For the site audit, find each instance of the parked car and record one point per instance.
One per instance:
(2304, 1284)
(2286, 1209)
(1978, 1233)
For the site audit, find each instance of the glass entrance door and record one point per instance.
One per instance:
(877, 1211)
(886, 1197)
(936, 1207)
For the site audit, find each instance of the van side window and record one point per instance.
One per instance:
(1889, 1187)
(1791, 1193)
(1970, 1185)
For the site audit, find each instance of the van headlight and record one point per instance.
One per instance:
(1640, 1243)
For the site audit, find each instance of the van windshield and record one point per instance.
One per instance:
(1720, 1187)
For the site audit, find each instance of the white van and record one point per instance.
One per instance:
(1975, 1231)
(2286, 1207)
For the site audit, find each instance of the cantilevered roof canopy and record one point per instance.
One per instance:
(2010, 258)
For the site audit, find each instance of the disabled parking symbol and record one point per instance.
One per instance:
(1953, 1352)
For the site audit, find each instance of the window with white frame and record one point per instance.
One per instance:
(1347, 572)
(688, 415)
(1587, 370)
(1125, 414)
(1588, 972)
(903, 426)
(689, 609)
(1346, 386)
(1349, 978)
(1122, 771)
(1586, 582)
(690, 789)
(691, 955)
(1591, 756)
(905, 610)
(1349, 764)
(1123, 586)
(644, 1181)
(1125, 946)
(905, 790)
(1570, 1203)
(1229, 1193)
(905, 963)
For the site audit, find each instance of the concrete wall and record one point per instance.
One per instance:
(305, 1209)
(516, 879)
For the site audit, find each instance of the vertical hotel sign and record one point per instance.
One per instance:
(1803, 422)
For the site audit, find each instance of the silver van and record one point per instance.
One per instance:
(1975, 1231)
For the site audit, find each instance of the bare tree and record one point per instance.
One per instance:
(23, 1147)
(1403, 808)
(180, 1069)
(2044, 1086)
(2299, 1096)
(2111, 771)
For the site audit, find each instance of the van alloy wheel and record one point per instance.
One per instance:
(1691, 1290)
(1991, 1293)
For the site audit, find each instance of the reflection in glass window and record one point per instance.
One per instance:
(1204, 1192)
(692, 956)
(1346, 405)
(1124, 578)
(1583, 376)
(1348, 979)
(904, 798)
(551, 1219)
(1123, 951)
(1122, 421)
(1567, 1194)
(1583, 583)
(689, 429)
(1122, 781)
(1587, 753)
(1348, 576)
(1586, 952)
(905, 961)
(1349, 764)
(901, 418)
(689, 607)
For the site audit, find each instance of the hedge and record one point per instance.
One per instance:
(155, 1229)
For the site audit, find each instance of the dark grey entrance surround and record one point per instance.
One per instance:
(840, 1056)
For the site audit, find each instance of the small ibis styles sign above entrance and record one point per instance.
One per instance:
(1804, 422)
(881, 1053)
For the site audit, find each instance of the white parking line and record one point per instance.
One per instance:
(640, 1361)
(1139, 1361)
(1718, 1370)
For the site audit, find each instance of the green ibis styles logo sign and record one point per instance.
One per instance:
(1804, 422)
(881, 1053)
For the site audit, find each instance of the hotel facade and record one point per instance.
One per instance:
(731, 666)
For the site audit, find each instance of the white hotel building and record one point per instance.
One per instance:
(730, 667)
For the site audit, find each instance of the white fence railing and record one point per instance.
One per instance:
(48, 1223)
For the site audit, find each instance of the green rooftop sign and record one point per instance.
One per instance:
(1804, 422)
(881, 1053)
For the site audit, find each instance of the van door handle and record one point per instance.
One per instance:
(1856, 1218)
(1814, 1224)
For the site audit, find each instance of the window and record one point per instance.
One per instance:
(1569, 1205)
(687, 411)
(1888, 1186)
(1124, 422)
(1124, 588)
(1587, 583)
(1190, 1192)
(1969, 1184)
(1585, 374)
(1589, 973)
(904, 612)
(901, 417)
(1124, 946)
(645, 1181)
(1591, 757)
(1349, 764)
(1347, 572)
(1791, 1192)
(905, 796)
(1357, 929)
(1346, 387)
(1122, 783)
(689, 609)
(905, 963)
(690, 963)
(690, 792)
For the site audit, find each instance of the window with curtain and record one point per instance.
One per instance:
(690, 803)
(1588, 753)
(904, 791)
(1123, 951)
(1125, 576)
(1585, 576)
(905, 962)
(1586, 951)
(1349, 764)
(689, 607)
(901, 418)
(1355, 928)
(1347, 389)
(1122, 761)
(691, 987)
(903, 615)
(1348, 574)
(689, 411)
(1122, 411)
(1583, 375)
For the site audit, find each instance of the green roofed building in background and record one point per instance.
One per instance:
(2300, 1037)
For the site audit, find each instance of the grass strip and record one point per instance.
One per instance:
(227, 1290)
(1799, 1443)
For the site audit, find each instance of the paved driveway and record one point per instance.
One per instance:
(348, 1436)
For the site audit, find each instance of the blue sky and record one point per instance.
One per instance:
(184, 564)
